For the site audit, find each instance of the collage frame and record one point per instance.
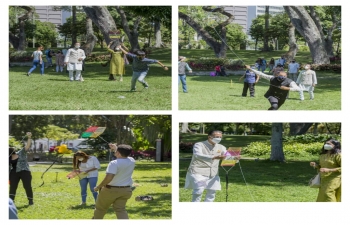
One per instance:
(234, 212)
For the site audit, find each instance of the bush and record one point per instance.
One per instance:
(310, 138)
(210, 63)
(255, 149)
(324, 67)
(21, 56)
(186, 147)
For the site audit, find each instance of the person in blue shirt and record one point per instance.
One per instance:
(183, 66)
(12, 210)
(250, 79)
(140, 67)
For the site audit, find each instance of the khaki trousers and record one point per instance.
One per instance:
(112, 196)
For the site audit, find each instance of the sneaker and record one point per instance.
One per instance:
(145, 85)
(121, 79)
(30, 202)
(28, 74)
(144, 198)
(83, 204)
(311, 99)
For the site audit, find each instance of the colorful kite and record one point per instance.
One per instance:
(93, 132)
(230, 156)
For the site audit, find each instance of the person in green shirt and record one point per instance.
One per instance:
(330, 168)
(19, 170)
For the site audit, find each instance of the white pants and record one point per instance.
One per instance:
(197, 195)
(311, 93)
(77, 74)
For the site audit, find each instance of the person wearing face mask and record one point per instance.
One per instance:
(117, 65)
(307, 81)
(74, 60)
(115, 189)
(140, 67)
(19, 170)
(293, 68)
(203, 172)
(87, 166)
(330, 168)
(279, 88)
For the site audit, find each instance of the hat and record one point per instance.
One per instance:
(182, 57)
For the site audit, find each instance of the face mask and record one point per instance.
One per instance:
(77, 46)
(117, 49)
(81, 159)
(281, 78)
(327, 147)
(306, 67)
(216, 140)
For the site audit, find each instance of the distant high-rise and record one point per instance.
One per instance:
(241, 15)
(47, 14)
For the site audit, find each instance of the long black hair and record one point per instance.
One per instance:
(335, 150)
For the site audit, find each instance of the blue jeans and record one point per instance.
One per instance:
(262, 68)
(35, 64)
(140, 76)
(182, 78)
(49, 61)
(83, 186)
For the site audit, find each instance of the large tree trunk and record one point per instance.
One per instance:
(299, 128)
(133, 35)
(276, 143)
(91, 39)
(102, 19)
(266, 36)
(293, 47)
(74, 25)
(306, 26)
(19, 43)
(219, 48)
(157, 34)
(184, 127)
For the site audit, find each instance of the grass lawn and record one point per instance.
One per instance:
(60, 199)
(54, 91)
(266, 181)
(227, 91)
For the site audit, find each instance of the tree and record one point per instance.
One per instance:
(256, 30)
(276, 143)
(219, 47)
(101, 17)
(19, 42)
(91, 39)
(266, 36)
(308, 28)
(299, 128)
(184, 127)
(45, 33)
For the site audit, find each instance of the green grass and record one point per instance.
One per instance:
(203, 90)
(266, 182)
(60, 199)
(53, 91)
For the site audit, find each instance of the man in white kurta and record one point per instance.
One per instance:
(74, 61)
(307, 81)
(203, 172)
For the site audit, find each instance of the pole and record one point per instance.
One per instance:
(226, 185)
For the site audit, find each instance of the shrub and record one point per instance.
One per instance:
(310, 138)
(21, 56)
(186, 147)
(255, 149)
(210, 63)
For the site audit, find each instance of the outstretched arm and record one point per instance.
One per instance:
(258, 73)
(125, 52)
(165, 68)
(29, 141)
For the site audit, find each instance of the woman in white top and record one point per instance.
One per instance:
(37, 60)
(88, 167)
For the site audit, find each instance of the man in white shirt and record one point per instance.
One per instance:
(74, 61)
(203, 172)
(293, 70)
(115, 189)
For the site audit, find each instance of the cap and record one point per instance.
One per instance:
(182, 57)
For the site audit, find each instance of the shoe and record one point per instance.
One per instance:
(30, 202)
(311, 99)
(121, 79)
(133, 90)
(28, 74)
(145, 85)
(83, 203)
